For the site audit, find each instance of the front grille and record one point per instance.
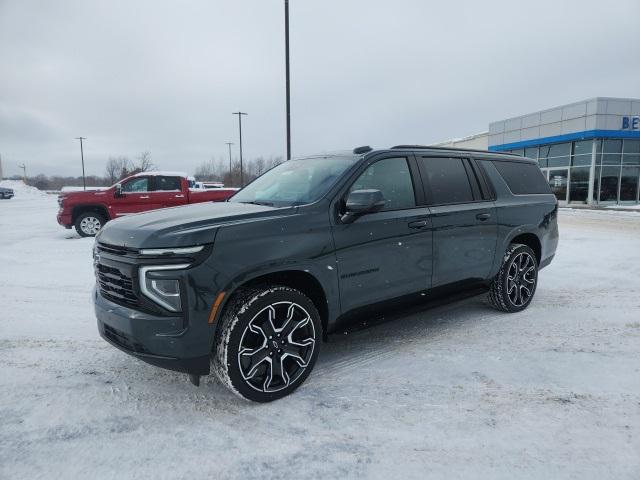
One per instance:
(115, 285)
(123, 340)
(115, 249)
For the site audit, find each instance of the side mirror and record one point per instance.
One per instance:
(361, 202)
(118, 192)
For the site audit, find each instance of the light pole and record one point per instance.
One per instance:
(240, 129)
(286, 50)
(24, 172)
(84, 182)
(230, 166)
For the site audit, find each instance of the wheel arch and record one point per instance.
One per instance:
(80, 209)
(532, 241)
(300, 279)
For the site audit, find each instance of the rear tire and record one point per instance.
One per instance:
(88, 224)
(267, 343)
(512, 289)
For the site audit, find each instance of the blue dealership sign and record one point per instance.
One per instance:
(630, 123)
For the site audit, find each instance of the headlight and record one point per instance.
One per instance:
(164, 291)
(60, 201)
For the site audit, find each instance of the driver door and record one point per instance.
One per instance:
(135, 197)
(388, 253)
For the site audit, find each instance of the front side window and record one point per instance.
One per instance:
(447, 180)
(136, 185)
(167, 183)
(392, 177)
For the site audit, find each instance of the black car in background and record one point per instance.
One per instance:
(250, 287)
(6, 193)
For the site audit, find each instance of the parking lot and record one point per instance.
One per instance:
(456, 391)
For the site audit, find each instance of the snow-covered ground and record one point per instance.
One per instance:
(459, 391)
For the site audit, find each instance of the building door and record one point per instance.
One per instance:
(559, 183)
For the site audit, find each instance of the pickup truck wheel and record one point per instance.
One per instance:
(268, 342)
(513, 287)
(89, 224)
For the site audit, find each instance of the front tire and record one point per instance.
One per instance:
(268, 342)
(88, 224)
(512, 289)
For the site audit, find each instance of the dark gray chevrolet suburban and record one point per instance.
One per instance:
(249, 288)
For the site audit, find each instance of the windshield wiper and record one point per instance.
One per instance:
(257, 202)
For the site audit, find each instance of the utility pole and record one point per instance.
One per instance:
(286, 50)
(24, 172)
(240, 129)
(230, 165)
(84, 182)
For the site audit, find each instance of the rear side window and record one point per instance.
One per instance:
(167, 183)
(522, 178)
(446, 180)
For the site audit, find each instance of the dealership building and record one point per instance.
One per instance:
(589, 150)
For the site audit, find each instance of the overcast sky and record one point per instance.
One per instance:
(166, 76)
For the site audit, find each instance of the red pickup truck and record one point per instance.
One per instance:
(88, 211)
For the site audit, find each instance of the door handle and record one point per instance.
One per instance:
(179, 196)
(483, 216)
(418, 224)
(145, 196)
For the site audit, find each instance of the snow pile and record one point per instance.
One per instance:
(21, 190)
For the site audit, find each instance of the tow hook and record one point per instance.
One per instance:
(195, 379)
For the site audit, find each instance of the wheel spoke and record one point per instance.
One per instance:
(276, 371)
(256, 358)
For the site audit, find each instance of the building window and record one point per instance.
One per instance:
(531, 153)
(579, 184)
(609, 181)
(631, 152)
(629, 184)
(556, 155)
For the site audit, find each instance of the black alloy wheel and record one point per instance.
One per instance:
(268, 342)
(512, 289)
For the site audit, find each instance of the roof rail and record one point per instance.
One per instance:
(427, 147)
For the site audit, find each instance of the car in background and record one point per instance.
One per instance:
(6, 193)
(208, 185)
(88, 211)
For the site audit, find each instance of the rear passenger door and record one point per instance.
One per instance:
(463, 216)
(167, 191)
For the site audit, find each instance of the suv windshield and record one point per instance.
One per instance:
(296, 182)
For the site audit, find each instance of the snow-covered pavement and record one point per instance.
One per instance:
(459, 391)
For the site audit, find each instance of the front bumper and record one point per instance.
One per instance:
(64, 219)
(160, 341)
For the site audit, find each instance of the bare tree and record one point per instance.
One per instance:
(144, 162)
(117, 168)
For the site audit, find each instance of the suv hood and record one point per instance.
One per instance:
(184, 226)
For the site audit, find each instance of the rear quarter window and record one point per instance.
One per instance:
(522, 178)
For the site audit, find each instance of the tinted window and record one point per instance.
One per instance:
(136, 185)
(522, 178)
(167, 183)
(392, 177)
(446, 179)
